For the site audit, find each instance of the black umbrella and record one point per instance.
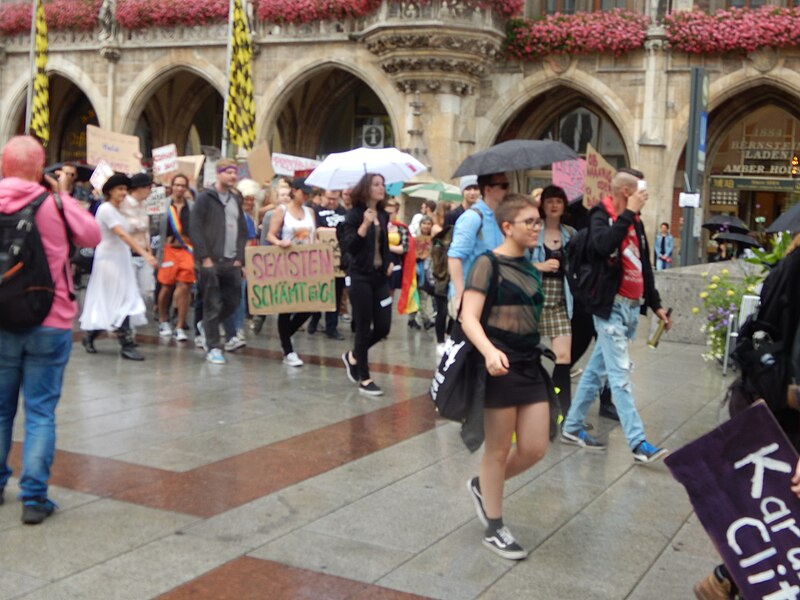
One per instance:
(788, 221)
(738, 238)
(514, 155)
(726, 223)
(84, 171)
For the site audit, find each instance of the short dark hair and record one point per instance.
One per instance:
(431, 204)
(484, 180)
(664, 224)
(554, 191)
(174, 177)
(510, 207)
(360, 192)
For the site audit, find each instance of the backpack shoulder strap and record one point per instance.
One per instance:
(479, 233)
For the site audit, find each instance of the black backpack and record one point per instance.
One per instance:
(581, 273)
(26, 284)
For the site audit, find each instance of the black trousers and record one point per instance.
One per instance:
(288, 324)
(221, 288)
(440, 303)
(371, 300)
(331, 318)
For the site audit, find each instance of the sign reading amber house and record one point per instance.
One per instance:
(287, 280)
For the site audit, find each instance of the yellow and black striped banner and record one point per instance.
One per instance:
(241, 117)
(40, 114)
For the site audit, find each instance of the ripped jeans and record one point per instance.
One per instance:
(610, 359)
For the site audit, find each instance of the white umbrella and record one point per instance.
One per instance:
(344, 169)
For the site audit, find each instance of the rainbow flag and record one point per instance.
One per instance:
(408, 302)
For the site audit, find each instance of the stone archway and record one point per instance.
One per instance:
(323, 108)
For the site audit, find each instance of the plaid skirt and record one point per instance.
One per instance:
(554, 321)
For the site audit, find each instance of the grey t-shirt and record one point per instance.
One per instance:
(231, 224)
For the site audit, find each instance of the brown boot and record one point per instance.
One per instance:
(793, 396)
(712, 588)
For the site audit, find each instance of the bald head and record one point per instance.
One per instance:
(23, 157)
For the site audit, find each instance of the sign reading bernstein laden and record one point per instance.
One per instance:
(293, 279)
(738, 478)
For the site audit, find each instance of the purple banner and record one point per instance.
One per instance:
(738, 479)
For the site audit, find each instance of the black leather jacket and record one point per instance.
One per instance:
(361, 250)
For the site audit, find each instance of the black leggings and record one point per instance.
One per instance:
(441, 317)
(288, 324)
(371, 300)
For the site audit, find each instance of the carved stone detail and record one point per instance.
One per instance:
(764, 60)
(111, 52)
(412, 85)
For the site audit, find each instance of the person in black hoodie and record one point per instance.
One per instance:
(620, 252)
(218, 231)
(363, 236)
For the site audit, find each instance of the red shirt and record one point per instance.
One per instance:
(632, 285)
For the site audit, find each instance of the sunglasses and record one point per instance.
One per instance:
(504, 185)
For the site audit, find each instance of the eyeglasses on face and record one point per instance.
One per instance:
(503, 185)
(531, 223)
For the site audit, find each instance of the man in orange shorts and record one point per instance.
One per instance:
(176, 273)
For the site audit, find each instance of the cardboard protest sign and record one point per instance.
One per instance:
(260, 163)
(191, 167)
(120, 151)
(570, 175)
(286, 164)
(738, 479)
(165, 159)
(597, 183)
(156, 202)
(102, 172)
(287, 280)
(328, 236)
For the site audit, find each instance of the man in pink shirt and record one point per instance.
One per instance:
(33, 360)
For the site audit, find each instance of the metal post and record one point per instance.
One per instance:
(695, 159)
(29, 102)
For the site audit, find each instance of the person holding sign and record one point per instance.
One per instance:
(112, 298)
(219, 232)
(295, 222)
(365, 241)
(176, 274)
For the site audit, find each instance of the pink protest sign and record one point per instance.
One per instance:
(570, 175)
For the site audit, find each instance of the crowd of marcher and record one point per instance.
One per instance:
(495, 262)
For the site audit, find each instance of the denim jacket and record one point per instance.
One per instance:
(537, 256)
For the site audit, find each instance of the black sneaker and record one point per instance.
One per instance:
(370, 389)
(36, 510)
(645, 452)
(477, 500)
(414, 325)
(351, 370)
(502, 543)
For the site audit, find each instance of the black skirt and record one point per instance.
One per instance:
(523, 384)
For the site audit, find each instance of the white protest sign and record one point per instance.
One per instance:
(165, 159)
(209, 173)
(156, 203)
(101, 174)
(120, 151)
(286, 164)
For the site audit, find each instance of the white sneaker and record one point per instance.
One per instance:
(180, 335)
(200, 338)
(215, 357)
(440, 349)
(164, 330)
(292, 360)
(240, 334)
(233, 344)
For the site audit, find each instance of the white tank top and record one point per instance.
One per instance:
(298, 231)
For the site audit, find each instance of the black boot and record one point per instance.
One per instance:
(88, 341)
(127, 346)
(561, 380)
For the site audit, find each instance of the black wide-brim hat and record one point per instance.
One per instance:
(115, 180)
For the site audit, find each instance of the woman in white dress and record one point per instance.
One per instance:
(112, 298)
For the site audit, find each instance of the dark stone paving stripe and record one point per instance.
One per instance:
(249, 578)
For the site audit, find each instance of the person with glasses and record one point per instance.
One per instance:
(621, 253)
(548, 258)
(475, 233)
(517, 391)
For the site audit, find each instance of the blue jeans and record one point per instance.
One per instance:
(32, 361)
(610, 359)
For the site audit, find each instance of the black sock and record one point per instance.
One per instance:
(494, 525)
(561, 381)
